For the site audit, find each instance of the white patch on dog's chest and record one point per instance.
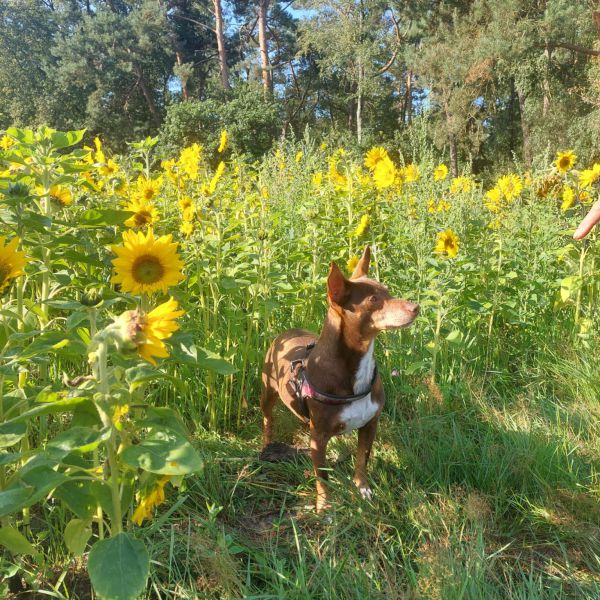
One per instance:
(358, 413)
(364, 373)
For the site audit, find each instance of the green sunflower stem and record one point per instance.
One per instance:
(436, 339)
(580, 287)
(111, 444)
(5, 520)
(20, 305)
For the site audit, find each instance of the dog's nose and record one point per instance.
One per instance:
(413, 307)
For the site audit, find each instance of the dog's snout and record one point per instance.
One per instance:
(412, 307)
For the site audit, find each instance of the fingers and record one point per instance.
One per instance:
(590, 220)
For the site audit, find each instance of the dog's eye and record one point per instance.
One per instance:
(373, 299)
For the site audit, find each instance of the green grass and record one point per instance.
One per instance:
(475, 497)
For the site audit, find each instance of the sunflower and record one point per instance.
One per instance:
(188, 214)
(493, 199)
(568, 198)
(148, 503)
(121, 186)
(588, 177)
(171, 170)
(441, 206)
(362, 227)
(317, 179)
(374, 156)
(299, 156)
(339, 180)
(565, 160)
(440, 173)
(351, 264)
(189, 160)
(144, 213)
(510, 186)
(187, 228)
(216, 177)
(145, 264)
(447, 243)
(109, 168)
(60, 196)
(11, 262)
(99, 156)
(158, 325)
(6, 142)
(384, 173)
(411, 173)
(184, 202)
(461, 184)
(222, 141)
(148, 188)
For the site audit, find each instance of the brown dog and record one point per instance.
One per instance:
(331, 382)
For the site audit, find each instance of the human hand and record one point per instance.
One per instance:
(588, 223)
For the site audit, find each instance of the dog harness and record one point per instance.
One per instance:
(301, 388)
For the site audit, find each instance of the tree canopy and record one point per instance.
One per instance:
(485, 81)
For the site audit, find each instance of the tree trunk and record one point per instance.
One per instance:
(453, 156)
(527, 158)
(359, 104)
(546, 82)
(408, 104)
(224, 70)
(147, 95)
(184, 88)
(263, 7)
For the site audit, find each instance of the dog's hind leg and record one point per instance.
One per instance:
(268, 397)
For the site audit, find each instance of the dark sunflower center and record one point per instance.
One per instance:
(148, 193)
(4, 275)
(147, 269)
(449, 244)
(565, 161)
(142, 217)
(57, 200)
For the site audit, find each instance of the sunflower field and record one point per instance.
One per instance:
(139, 293)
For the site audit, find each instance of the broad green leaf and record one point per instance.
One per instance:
(143, 373)
(201, 357)
(118, 567)
(80, 439)
(569, 286)
(165, 453)
(49, 408)
(101, 217)
(161, 418)
(76, 534)
(79, 498)
(43, 480)
(9, 458)
(64, 139)
(455, 337)
(11, 433)
(14, 499)
(53, 341)
(15, 541)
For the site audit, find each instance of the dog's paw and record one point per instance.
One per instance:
(366, 492)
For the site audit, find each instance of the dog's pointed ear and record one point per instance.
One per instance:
(362, 266)
(337, 285)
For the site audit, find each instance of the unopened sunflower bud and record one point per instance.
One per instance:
(92, 297)
(128, 331)
(17, 191)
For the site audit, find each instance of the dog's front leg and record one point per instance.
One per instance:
(318, 454)
(366, 435)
